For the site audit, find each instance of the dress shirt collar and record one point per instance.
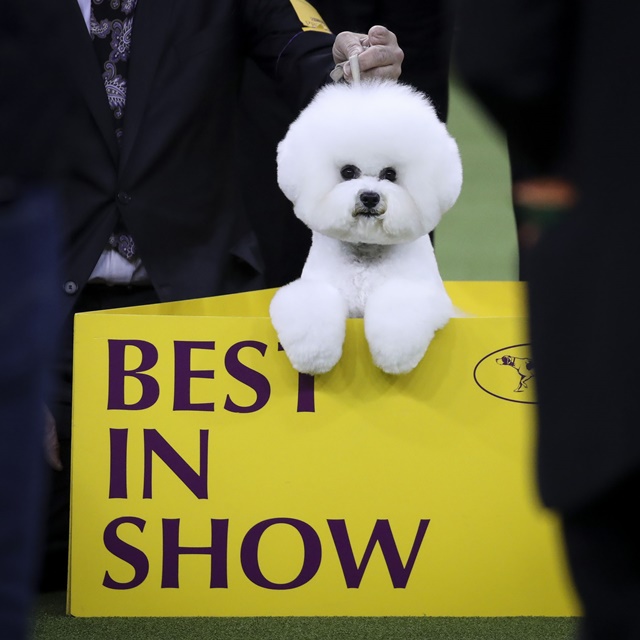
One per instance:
(85, 7)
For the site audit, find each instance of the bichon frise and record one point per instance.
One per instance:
(370, 170)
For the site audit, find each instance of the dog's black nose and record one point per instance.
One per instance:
(370, 199)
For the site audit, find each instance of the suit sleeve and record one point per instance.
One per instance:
(516, 57)
(290, 42)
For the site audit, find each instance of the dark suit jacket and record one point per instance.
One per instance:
(517, 57)
(174, 181)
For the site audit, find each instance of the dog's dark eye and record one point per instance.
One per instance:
(349, 172)
(388, 173)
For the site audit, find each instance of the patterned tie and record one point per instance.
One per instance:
(111, 24)
(110, 27)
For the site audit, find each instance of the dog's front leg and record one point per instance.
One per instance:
(400, 320)
(310, 319)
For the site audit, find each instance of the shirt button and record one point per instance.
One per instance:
(124, 198)
(70, 287)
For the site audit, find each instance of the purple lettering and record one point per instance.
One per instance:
(184, 374)
(172, 552)
(123, 550)
(306, 391)
(381, 534)
(310, 564)
(247, 376)
(196, 482)
(118, 463)
(117, 375)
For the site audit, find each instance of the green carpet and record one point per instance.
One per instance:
(475, 241)
(53, 624)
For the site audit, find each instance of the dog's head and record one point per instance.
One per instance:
(506, 360)
(370, 163)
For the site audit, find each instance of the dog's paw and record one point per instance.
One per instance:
(310, 320)
(399, 324)
(399, 356)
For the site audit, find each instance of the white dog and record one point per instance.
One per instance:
(370, 170)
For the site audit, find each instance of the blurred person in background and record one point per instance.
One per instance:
(517, 59)
(28, 254)
(583, 277)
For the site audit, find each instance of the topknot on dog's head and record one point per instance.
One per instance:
(364, 135)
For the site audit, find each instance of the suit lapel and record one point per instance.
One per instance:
(148, 42)
(85, 71)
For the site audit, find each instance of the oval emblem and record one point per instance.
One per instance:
(508, 374)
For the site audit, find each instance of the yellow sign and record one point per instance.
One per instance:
(211, 479)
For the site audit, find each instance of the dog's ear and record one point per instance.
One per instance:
(449, 175)
(444, 165)
(288, 165)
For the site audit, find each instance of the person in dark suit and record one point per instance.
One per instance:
(28, 211)
(583, 277)
(152, 201)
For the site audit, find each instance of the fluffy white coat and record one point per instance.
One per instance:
(370, 170)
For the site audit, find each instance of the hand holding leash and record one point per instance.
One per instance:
(377, 53)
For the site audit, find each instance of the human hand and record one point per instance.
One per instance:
(51, 444)
(378, 53)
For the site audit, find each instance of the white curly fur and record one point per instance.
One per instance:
(371, 255)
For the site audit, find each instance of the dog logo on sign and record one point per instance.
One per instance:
(508, 374)
(522, 366)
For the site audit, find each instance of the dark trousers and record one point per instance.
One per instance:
(93, 298)
(27, 330)
(603, 549)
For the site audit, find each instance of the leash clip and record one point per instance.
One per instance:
(338, 71)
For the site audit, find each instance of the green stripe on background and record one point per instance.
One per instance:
(476, 240)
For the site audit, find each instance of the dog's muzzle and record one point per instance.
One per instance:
(369, 204)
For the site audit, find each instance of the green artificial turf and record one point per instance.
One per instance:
(53, 624)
